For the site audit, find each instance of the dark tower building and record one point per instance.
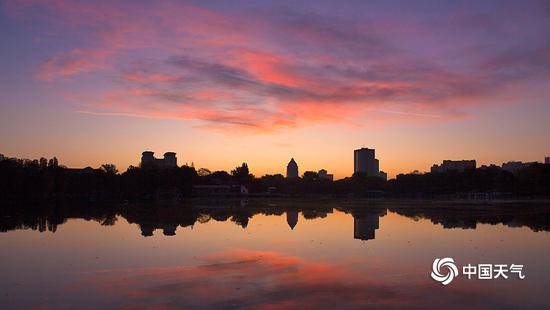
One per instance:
(292, 169)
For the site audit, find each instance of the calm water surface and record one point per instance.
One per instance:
(270, 255)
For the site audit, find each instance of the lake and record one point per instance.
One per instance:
(272, 254)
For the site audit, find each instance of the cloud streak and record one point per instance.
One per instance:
(73, 62)
(266, 69)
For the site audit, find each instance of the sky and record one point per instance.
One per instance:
(226, 82)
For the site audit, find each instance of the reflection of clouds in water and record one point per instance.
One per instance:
(245, 278)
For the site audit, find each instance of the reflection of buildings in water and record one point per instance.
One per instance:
(365, 223)
(149, 218)
(292, 218)
(310, 214)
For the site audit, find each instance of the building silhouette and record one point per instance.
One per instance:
(547, 160)
(513, 166)
(323, 174)
(456, 165)
(292, 169)
(364, 161)
(149, 161)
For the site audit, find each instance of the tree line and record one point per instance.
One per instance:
(45, 179)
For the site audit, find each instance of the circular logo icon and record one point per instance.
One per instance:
(444, 270)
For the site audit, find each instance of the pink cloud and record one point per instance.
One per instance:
(73, 62)
(149, 78)
(264, 71)
(268, 68)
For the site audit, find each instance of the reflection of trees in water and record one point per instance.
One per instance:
(150, 217)
(240, 219)
(110, 220)
(48, 218)
(537, 218)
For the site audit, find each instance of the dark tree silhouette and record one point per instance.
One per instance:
(109, 168)
(53, 162)
(202, 172)
(46, 180)
(242, 174)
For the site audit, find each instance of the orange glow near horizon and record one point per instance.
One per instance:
(95, 83)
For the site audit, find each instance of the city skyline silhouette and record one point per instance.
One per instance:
(263, 82)
(261, 154)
